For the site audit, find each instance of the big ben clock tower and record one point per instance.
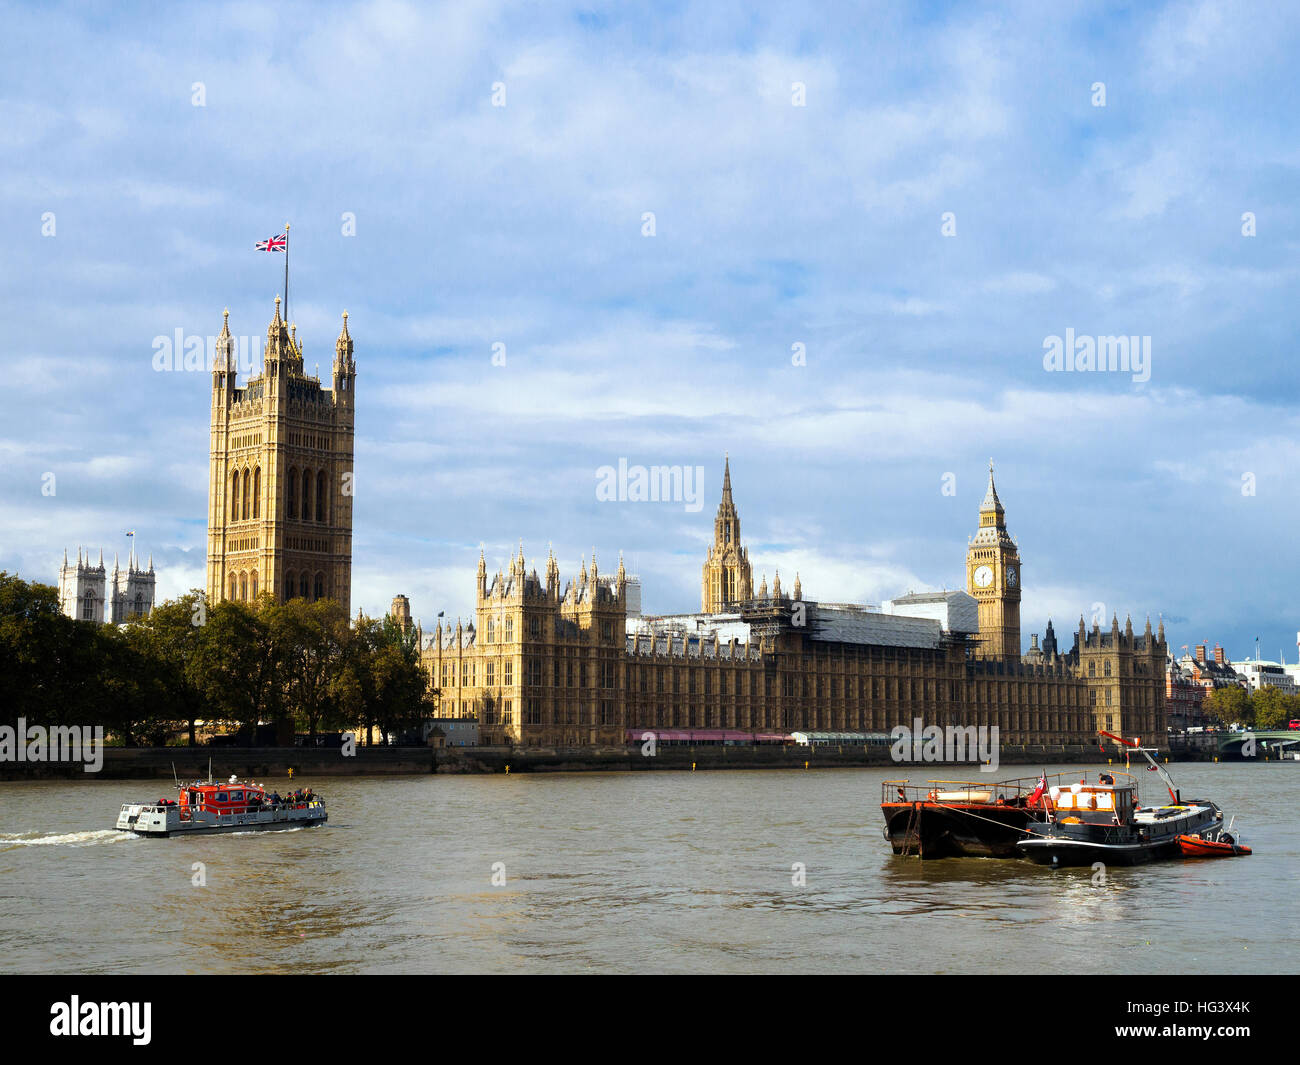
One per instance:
(993, 578)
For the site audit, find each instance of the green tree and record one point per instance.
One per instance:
(1231, 705)
(237, 664)
(313, 641)
(174, 637)
(1272, 708)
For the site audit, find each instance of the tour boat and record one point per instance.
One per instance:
(1104, 822)
(957, 818)
(206, 807)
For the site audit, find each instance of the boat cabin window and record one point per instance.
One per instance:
(222, 797)
(235, 796)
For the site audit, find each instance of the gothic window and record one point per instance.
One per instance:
(302, 586)
(1092, 669)
(243, 586)
(1106, 668)
(510, 629)
(257, 492)
(306, 495)
(234, 586)
(319, 591)
(320, 496)
(139, 604)
(293, 494)
(490, 637)
(288, 586)
(234, 496)
(252, 586)
(509, 678)
(245, 511)
(88, 608)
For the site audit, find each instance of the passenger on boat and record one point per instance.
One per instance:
(1106, 778)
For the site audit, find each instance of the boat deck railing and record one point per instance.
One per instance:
(999, 792)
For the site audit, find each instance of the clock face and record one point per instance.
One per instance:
(983, 577)
(1012, 578)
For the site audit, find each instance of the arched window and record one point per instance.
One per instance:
(245, 510)
(320, 496)
(234, 586)
(1092, 669)
(306, 495)
(302, 587)
(1106, 668)
(289, 589)
(88, 608)
(139, 604)
(490, 628)
(293, 494)
(243, 586)
(234, 496)
(252, 586)
(257, 492)
(319, 590)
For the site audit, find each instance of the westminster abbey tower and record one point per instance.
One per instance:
(280, 474)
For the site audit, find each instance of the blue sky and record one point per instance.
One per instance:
(775, 225)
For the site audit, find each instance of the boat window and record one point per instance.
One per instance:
(222, 797)
(1105, 802)
(235, 796)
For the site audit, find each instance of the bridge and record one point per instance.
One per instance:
(1268, 744)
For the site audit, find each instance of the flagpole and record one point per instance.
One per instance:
(286, 273)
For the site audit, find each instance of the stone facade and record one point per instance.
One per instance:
(280, 474)
(728, 578)
(548, 665)
(89, 593)
(993, 578)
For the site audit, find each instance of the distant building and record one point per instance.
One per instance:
(1184, 698)
(550, 663)
(1209, 673)
(87, 592)
(1259, 674)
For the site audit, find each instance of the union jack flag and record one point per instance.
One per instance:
(271, 244)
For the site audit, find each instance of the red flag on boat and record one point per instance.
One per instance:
(1037, 793)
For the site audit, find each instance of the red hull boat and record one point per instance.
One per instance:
(1196, 847)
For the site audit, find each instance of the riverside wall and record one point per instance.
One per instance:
(274, 763)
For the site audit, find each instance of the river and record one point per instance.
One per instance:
(623, 872)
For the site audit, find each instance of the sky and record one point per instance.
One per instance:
(832, 241)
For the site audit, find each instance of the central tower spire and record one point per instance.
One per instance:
(727, 579)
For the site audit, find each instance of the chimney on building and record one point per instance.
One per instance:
(1218, 654)
(1200, 653)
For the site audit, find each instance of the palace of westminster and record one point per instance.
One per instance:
(553, 663)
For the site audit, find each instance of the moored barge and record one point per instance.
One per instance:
(962, 818)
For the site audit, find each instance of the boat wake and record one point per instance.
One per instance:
(9, 840)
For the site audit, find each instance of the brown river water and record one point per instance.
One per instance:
(624, 872)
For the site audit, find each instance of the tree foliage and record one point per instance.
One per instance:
(298, 666)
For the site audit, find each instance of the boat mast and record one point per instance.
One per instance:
(1169, 781)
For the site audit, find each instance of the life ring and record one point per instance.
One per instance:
(932, 797)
